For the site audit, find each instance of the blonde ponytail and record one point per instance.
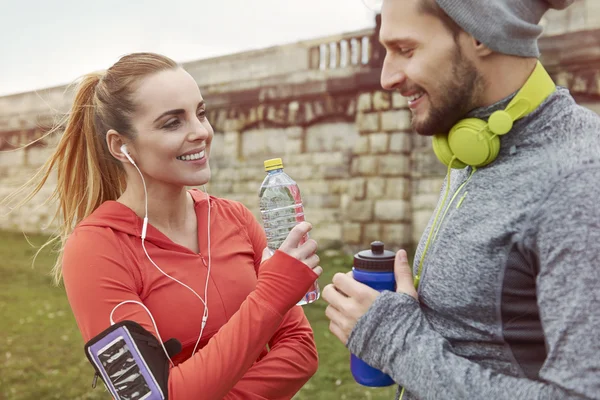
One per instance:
(87, 174)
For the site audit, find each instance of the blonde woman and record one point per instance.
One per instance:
(138, 246)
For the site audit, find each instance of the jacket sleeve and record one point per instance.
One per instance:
(292, 358)
(396, 337)
(97, 278)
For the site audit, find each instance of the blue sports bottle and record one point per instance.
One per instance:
(374, 268)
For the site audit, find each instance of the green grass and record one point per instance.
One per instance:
(41, 350)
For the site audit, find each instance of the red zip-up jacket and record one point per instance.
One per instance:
(104, 264)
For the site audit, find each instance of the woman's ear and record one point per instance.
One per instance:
(114, 142)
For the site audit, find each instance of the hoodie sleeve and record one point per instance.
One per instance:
(292, 358)
(396, 336)
(97, 278)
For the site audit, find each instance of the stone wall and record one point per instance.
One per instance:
(352, 163)
(318, 105)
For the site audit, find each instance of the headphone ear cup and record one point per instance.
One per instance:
(494, 148)
(442, 150)
(472, 142)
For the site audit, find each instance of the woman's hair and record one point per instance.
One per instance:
(87, 173)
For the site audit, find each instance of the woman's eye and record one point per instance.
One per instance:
(405, 51)
(201, 114)
(172, 124)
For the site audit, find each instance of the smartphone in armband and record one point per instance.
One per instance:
(130, 361)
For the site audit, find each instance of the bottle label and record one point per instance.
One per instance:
(295, 191)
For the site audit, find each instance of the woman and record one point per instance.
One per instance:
(139, 246)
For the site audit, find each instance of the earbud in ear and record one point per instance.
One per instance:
(126, 154)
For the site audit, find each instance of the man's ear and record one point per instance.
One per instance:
(480, 49)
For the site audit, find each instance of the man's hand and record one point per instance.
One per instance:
(349, 300)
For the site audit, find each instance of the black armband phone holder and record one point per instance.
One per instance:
(131, 361)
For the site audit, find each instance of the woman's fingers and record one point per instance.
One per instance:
(295, 236)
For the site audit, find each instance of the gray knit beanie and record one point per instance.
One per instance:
(505, 26)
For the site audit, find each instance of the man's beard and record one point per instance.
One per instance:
(456, 98)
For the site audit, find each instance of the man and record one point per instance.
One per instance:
(508, 269)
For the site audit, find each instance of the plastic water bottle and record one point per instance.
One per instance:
(374, 268)
(281, 209)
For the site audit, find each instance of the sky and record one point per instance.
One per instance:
(49, 43)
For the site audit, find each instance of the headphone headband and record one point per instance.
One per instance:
(475, 142)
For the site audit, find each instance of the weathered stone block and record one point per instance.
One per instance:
(397, 120)
(319, 215)
(297, 159)
(426, 164)
(330, 137)
(398, 189)
(400, 142)
(375, 187)
(372, 232)
(364, 165)
(330, 159)
(339, 186)
(305, 171)
(593, 15)
(327, 232)
(313, 187)
(12, 158)
(231, 144)
(425, 201)
(231, 125)
(431, 185)
(421, 142)
(359, 211)
(293, 146)
(379, 142)
(226, 174)
(321, 201)
(364, 102)
(294, 132)
(274, 142)
(351, 233)
(361, 146)
(394, 165)
(357, 188)
(397, 235)
(381, 100)
(367, 122)
(335, 171)
(253, 143)
(392, 210)
(399, 101)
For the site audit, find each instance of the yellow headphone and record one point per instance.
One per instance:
(476, 142)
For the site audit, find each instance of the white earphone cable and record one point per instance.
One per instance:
(143, 236)
(151, 317)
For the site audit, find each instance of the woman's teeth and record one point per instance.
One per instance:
(192, 157)
(415, 97)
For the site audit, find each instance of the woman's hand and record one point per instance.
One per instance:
(305, 252)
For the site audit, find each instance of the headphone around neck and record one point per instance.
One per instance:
(475, 142)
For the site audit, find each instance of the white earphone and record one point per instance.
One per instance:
(126, 153)
(143, 236)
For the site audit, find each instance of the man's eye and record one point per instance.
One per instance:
(405, 50)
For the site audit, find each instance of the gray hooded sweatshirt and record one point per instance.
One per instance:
(509, 299)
